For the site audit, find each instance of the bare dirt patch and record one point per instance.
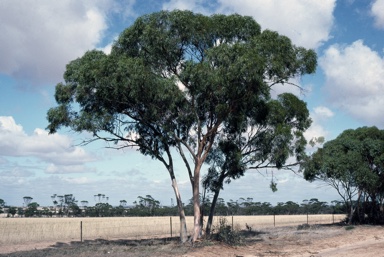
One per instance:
(283, 241)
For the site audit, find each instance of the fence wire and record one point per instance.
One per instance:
(21, 230)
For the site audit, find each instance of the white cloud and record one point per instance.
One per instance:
(38, 38)
(78, 181)
(322, 112)
(315, 131)
(319, 115)
(56, 148)
(355, 81)
(66, 169)
(293, 86)
(307, 23)
(377, 11)
(107, 49)
(180, 4)
(200, 6)
(17, 172)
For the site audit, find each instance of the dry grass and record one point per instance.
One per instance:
(19, 230)
(285, 220)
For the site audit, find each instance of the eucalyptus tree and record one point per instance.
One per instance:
(353, 163)
(84, 204)
(27, 200)
(147, 205)
(32, 210)
(259, 143)
(172, 83)
(101, 198)
(12, 211)
(2, 204)
(123, 203)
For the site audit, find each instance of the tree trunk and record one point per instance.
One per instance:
(214, 201)
(183, 223)
(353, 208)
(212, 211)
(196, 203)
(202, 209)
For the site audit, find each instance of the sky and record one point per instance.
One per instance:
(38, 38)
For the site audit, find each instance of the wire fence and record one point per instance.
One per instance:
(22, 230)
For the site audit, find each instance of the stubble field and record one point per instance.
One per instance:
(18, 234)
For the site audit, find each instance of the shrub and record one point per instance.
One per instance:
(303, 227)
(349, 227)
(225, 233)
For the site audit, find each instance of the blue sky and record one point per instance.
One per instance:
(38, 38)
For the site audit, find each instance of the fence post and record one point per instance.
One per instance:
(274, 220)
(170, 221)
(232, 222)
(333, 218)
(307, 219)
(81, 231)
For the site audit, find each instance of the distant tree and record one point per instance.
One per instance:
(338, 207)
(27, 200)
(316, 207)
(123, 203)
(118, 211)
(31, 210)
(2, 204)
(147, 205)
(266, 208)
(20, 212)
(353, 163)
(221, 208)
(12, 211)
(55, 203)
(67, 204)
(291, 207)
(101, 198)
(103, 210)
(178, 80)
(167, 211)
(58, 201)
(233, 207)
(46, 212)
(84, 203)
(70, 205)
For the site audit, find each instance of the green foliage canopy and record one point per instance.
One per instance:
(356, 159)
(174, 72)
(178, 79)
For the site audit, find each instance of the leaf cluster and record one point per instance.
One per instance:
(353, 163)
(171, 74)
(356, 155)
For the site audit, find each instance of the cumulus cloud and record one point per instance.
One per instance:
(307, 23)
(56, 149)
(322, 112)
(355, 81)
(66, 169)
(40, 37)
(17, 172)
(319, 115)
(200, 6)
(377, 10)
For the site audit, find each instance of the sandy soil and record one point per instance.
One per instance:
(323, 241)
(315, 241)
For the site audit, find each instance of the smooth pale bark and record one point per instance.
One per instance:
(196, 202)
(196, 212)
(183, 223)
(353, 208)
